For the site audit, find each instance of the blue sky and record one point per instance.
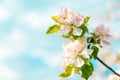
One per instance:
(26, 52)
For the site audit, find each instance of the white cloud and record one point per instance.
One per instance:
(53, 60)
(7, 74)
(34, 19)
(4, 14)
(12, 44)
(14, 6)
(9, 8)
(93, 1)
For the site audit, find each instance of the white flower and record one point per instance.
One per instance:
(69, 18)
(77, 31)
(103, 33)
(78, 19)
(73, 50)
(65, 28)
(65, 15)
(86, 53)
(79, 62)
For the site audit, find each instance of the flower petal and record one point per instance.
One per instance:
(77, 31)
(79, 62)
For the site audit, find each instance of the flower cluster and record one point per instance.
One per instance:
(75, 51)
(80, 48)
(69, 19)
(70, 22)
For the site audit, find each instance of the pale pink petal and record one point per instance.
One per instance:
(65, 28)
(106, 42)
(79, 62)
(77, 31)
(86, 53)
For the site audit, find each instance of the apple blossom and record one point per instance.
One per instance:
(65, 28)
(78, 20)
(63, 14)
(74, 51)
(68, 20)
(77, 31)
(67, 16)
(102, 33)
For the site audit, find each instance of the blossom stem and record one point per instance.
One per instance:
(108, 67)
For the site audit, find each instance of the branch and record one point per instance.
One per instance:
(108, 67)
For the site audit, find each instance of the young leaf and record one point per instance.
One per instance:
(75, 37)
(68, 71)
(66, 36)
(84, 29)
(87, 70)
(69, 68)
(83, 33)
(53, 29)
(64, 75)
(95, 52)
(86, 19)
(55, 18)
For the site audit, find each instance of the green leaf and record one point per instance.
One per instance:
(64, 75)
(53, 29)
(69, 68)
(66, 36)
(55, 18)
(86, 19)
(75, 37)
(68, 71)
(87, 70)
(82, 34)
(84, 29)
(95, 52)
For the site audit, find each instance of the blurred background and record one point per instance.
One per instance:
(27, 53)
